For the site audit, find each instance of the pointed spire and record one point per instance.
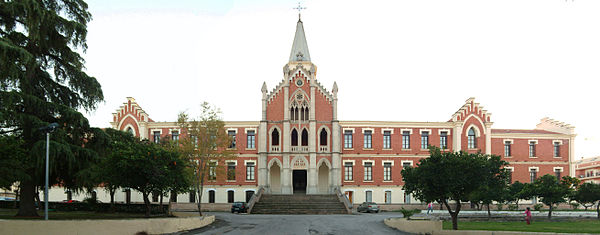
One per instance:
(300, 47)
(264, 87)
(335, 88)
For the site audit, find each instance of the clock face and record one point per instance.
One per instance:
(299, 82)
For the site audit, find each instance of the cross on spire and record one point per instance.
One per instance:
(299, 8)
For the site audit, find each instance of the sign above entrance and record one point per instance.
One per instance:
(299, 163)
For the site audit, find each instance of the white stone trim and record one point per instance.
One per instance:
(425, 130)
(246, 190)
(247, 161)
(508, 140)
(174, 129)
(250, 129)
(351, 161)
(212, 189)
(444, 130)
(368, 190)
(132, 128)
(155, 130)
(477, 131)
(368, 129)
(537, 169)
(532, 141)
(403, 161)
(230, 189)
(391, 130)
(349, 190)
(560, 168)
(347, 129)
(232, 129)
(215, 161)
(371, 161)
(512, 168)
(560, 142)
(403, 130)
(228, 161)
(387, 161)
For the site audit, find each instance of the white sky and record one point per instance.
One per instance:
(393, 60)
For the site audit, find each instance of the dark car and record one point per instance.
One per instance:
(239, 207)
(368, 207)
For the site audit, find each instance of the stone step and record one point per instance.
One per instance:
(300, 211)
(299, 204)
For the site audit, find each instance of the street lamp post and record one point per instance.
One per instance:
(47, 130)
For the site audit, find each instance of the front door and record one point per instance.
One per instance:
(299, 181)
(349, 195)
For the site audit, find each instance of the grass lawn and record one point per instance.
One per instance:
(74, 215)
(583, 226)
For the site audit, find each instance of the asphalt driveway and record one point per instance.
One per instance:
(227, 223)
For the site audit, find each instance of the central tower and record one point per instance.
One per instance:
(299, 151)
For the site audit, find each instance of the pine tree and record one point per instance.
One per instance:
(42, 80)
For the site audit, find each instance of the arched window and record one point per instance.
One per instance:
(323, 137)
(292, 114)
(294, 138)
(471, 139)
(304, 137)
(306, 114)
(130, 130)
(296, 113)
(275, 137)
(302, 113)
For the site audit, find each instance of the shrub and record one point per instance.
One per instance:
(513, 207)
(500, 206)
(408, 213)
(575, 205)
(538, 207)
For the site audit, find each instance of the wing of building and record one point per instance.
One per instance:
(300, 146)
(588, 170)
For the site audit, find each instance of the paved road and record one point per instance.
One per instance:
(227, 223)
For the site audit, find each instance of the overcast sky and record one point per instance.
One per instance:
(393, 60)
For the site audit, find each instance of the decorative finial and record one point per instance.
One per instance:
(264, 87)
(299, 8)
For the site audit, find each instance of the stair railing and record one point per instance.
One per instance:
(342, 197)
(255, 198)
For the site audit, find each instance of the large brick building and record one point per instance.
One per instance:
(299, 145)
(588, 170)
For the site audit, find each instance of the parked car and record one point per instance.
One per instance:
(7, 198)
(69, 201)
(368, 207)
(239, 207)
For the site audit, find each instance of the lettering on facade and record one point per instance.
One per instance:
(299, 163)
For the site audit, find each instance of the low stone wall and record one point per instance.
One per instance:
(93, 227)
(434, 227)
(186, 207)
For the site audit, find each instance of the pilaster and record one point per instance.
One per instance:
(312, 174)
(286, 177)
(456, 136)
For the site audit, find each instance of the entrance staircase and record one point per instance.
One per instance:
(299, 204)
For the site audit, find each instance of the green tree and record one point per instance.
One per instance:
(446, 176)
(515, 193)
(492, 189)
(205, 144)
(588, 193)
(551, 191)
(42, 80)
(12, 154)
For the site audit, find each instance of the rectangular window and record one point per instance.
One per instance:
(230, 194)
(368, 138)
(406, 139)
(193, 196)
(557, 173)
(510, 173)
(424, 140)
(368, 171)
(406, 198)
(348, 171)
(532, 175)
(387, 139)
(387, 171)
(157, 137)
(388, 197)
(444, 140)
(556, 149)
(531, 149)
(250, 171)
(212, 171)
(231, 171)
(211, 196)
(232, 137)
(406, 165)
(368, 196)
(251, 139)
(348, 139)
(175, 135)
(507, 149)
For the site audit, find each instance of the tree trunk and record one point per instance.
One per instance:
(598, 209)
(489, 213)
(112, 199)
(162, 208)
(453, 214)
(550, 211)
(27, 205)
(147, 202)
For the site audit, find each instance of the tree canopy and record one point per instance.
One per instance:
(43, 80)
(446, 176)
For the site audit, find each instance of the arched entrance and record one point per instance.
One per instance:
(275, 177)
(323, 180)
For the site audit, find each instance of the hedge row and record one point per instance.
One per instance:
(98, 207)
